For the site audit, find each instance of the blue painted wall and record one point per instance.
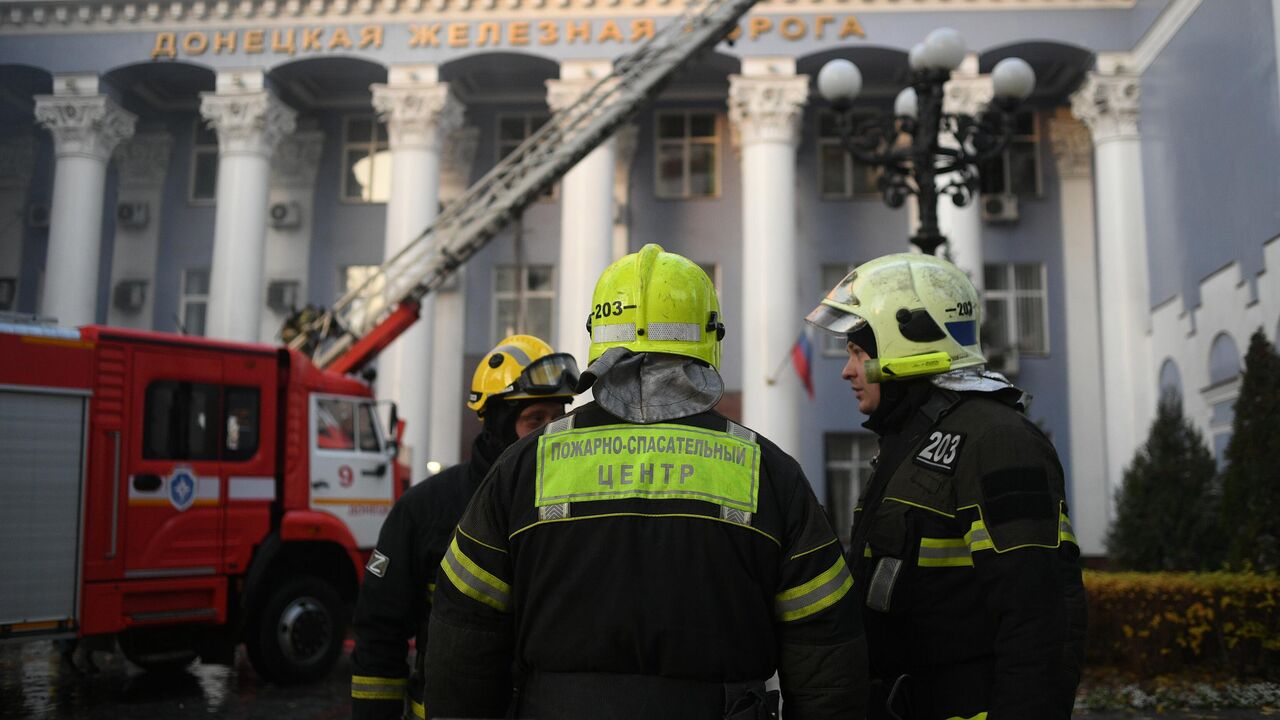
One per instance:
(186, 229)
(35, 241)
(1210, 147)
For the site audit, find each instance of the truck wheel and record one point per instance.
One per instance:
(158, 650)
(299, 633)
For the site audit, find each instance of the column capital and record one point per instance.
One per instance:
(143, 160)
(17, 158)
(85, 125)
(418, 115)
(1109, 105)
(1072, 147)
(767, 109)
(297, 158)
(247, 123)
(967, 94)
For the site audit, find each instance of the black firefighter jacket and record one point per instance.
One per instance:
(692, 551)
(970, 572)
(395, 599)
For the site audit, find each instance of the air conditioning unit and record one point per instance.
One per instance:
(38, 215)
(285, 215)
(282, 296)
(129, 295)
(1003, 360)
(132, 214)
(8, 293)
(1000, 208)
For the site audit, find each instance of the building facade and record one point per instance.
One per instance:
(207, 166)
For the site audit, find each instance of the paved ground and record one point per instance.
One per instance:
(37, 684)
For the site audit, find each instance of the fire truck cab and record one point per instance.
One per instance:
(186, 495)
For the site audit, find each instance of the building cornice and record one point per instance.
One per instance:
(92, 15)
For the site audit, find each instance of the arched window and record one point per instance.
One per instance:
(1170, 379)
(1224, 359)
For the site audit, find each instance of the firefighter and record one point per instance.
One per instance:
(517, 388)
(645, 557)
(962, 547)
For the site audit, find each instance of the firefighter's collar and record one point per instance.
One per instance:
(981, 380)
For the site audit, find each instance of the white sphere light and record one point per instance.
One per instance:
(906, 104)
(1013, 78)
(916, 58)
(839, 81)
(944, 49)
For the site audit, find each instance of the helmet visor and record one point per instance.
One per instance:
(548, 375)
(835, 320)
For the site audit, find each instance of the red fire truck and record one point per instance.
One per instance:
(185, 495)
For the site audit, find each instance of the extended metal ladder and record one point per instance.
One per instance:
(366, 319)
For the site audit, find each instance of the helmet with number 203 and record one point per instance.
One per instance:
(924, 313)
(656, 301)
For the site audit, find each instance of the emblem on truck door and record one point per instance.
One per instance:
(182, 488)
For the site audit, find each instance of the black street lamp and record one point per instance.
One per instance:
(927, 168)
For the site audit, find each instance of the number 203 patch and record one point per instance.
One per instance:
(941, 451)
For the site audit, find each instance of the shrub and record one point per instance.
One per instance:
(1153, 623)
(1251, 494)
(1167, 515)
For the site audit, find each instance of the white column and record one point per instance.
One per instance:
(419, 111)
(86, 127)
(586, 215)
(1108, 105)
(765, 106)
(250, 122)
(967, 92)
(17, 158)
(142, 163)
(287, 254)
(1090, 508)
(624, 153)
(449, 378)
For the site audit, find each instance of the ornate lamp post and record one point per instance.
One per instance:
(928, 167)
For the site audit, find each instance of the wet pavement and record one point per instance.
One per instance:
(36, 683)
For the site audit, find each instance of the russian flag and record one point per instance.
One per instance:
(802, 360)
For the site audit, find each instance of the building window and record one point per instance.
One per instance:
(366, 162)
(833, 345)
(839, 176)
(1220, 396)
(204, 164)
(523, 299)
(1170, 380)
(688, 155)
(514, 129)
(848, 465)
(1015, 308)
(1016, 171)
(194, 302)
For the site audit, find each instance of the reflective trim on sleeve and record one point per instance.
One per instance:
(474, 581)
(979, 716)
(1065, 533)
(419, 710)
(978, 538)
(819, 593)
(367, 687)
(944, 552)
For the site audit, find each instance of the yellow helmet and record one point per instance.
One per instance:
(522, 367)
(923, 311)
(656, 301)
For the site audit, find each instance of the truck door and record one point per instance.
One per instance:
(173, 518)
(351, 475)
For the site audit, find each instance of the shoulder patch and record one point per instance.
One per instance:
(378, 563)
(941, 451)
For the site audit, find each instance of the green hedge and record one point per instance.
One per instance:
(1155, 623)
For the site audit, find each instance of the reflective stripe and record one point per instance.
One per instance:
(738, 431)
(979, 716)
(819, 593)
(866, 551)
(419, 710)
(944, 552)
(978, 538)
(367, 687)
(1065, 533)
(684, 332)
(251, 488)
(474, 581)
(431, 592)
(559, 425)
(620, 332)
(520, 355)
